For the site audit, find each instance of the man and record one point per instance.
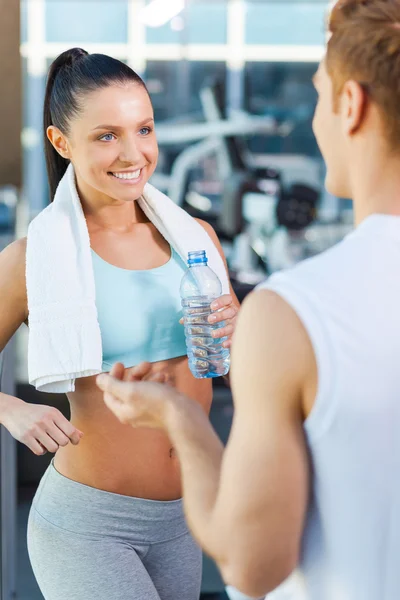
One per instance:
(310, 478)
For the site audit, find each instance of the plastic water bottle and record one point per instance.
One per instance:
(199, 288)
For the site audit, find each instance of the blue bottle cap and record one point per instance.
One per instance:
(199, 257)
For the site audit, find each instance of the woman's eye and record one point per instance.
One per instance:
(108, 137)
(145, 131)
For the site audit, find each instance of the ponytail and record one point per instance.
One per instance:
(56, 165)
(72, 75)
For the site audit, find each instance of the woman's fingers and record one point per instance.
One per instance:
(47, 442)
(222, 302)
(36, 447)
(67, 428)
(223, 315)
(57, 435)
(223, 331)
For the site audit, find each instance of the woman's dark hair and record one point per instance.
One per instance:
(72, 75)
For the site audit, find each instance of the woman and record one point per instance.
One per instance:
(107, 520)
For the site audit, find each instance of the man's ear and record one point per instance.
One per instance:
(353, 106)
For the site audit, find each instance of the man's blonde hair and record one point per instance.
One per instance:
(364, 46)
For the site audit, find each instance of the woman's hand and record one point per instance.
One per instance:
(224, 309)
(41, 428)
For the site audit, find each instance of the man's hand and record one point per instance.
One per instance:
(136, 396)
(143, 372)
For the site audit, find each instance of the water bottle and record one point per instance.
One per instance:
(199, 288)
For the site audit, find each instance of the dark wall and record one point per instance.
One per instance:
(10, 96)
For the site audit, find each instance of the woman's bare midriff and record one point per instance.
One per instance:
(118, 458)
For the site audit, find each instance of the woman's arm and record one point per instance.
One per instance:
(41, 428)
(13, 299)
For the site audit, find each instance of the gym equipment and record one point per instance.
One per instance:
(254, 203)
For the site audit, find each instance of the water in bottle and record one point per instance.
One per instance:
(199, 288)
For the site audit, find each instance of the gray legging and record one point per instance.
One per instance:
(87, 544)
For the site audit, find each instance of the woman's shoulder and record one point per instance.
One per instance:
(13, 282)
(12, 264)
(209, 228)
(14, 254)
(211, 232)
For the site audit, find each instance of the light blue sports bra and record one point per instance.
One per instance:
(139, 312)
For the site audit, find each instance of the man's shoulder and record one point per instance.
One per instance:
(319, 270)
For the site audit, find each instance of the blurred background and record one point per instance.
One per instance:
(231, 85)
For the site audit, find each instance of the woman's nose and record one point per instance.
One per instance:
(130, 152)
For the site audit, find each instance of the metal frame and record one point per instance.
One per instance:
(234, 51)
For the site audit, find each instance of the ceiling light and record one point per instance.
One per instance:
(160, 12)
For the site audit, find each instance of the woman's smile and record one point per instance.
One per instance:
(127, 177)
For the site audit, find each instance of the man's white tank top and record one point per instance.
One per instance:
(348, 300)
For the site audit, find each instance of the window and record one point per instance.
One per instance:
(162, 81)
(285, 91)
(74, 21)
(164, 78)
(24, 20)
(286, 23)
(204, 22)
(207, 22)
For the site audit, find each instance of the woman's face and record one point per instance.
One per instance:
(112, 142)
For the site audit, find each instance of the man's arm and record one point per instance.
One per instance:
(246, 505)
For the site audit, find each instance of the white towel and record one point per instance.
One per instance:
(64, 333)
